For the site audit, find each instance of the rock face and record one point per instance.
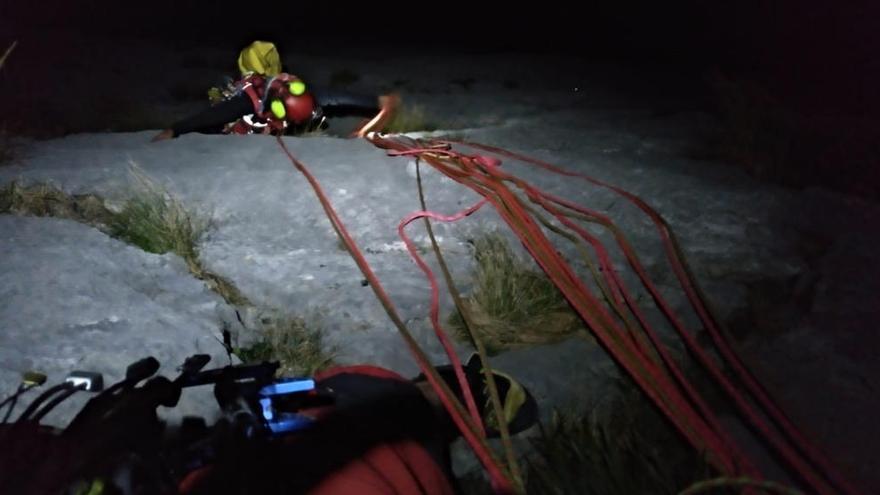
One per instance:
(792, 273)
(75, 299)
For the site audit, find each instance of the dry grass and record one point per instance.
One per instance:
(628, 448)
(152, 219)
(411, 119)
(634, 450)
(296, 342)
(46, 200)
(158, 222)
(512, 303)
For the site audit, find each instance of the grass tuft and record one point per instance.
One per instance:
(513, 304)
(625, 448)
(411, 119)
(158, 222)
(298, 344)
(46, 200)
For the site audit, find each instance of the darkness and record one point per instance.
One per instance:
(747, 33)
(816, 62)
(813, 49)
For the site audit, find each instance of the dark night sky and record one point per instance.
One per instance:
(821, 49)
(640, 28)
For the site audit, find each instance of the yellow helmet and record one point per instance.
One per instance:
(260, 57)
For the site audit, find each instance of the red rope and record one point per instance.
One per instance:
(482, 174)
(690, 392)
(703, 433)
(499, 480)
(743, 374)
(581, 299)
(435, 299)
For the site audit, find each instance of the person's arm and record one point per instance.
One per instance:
(343, 104)
(210, 120)
(380, 109)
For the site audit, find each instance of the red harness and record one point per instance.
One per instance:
(299, 109)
